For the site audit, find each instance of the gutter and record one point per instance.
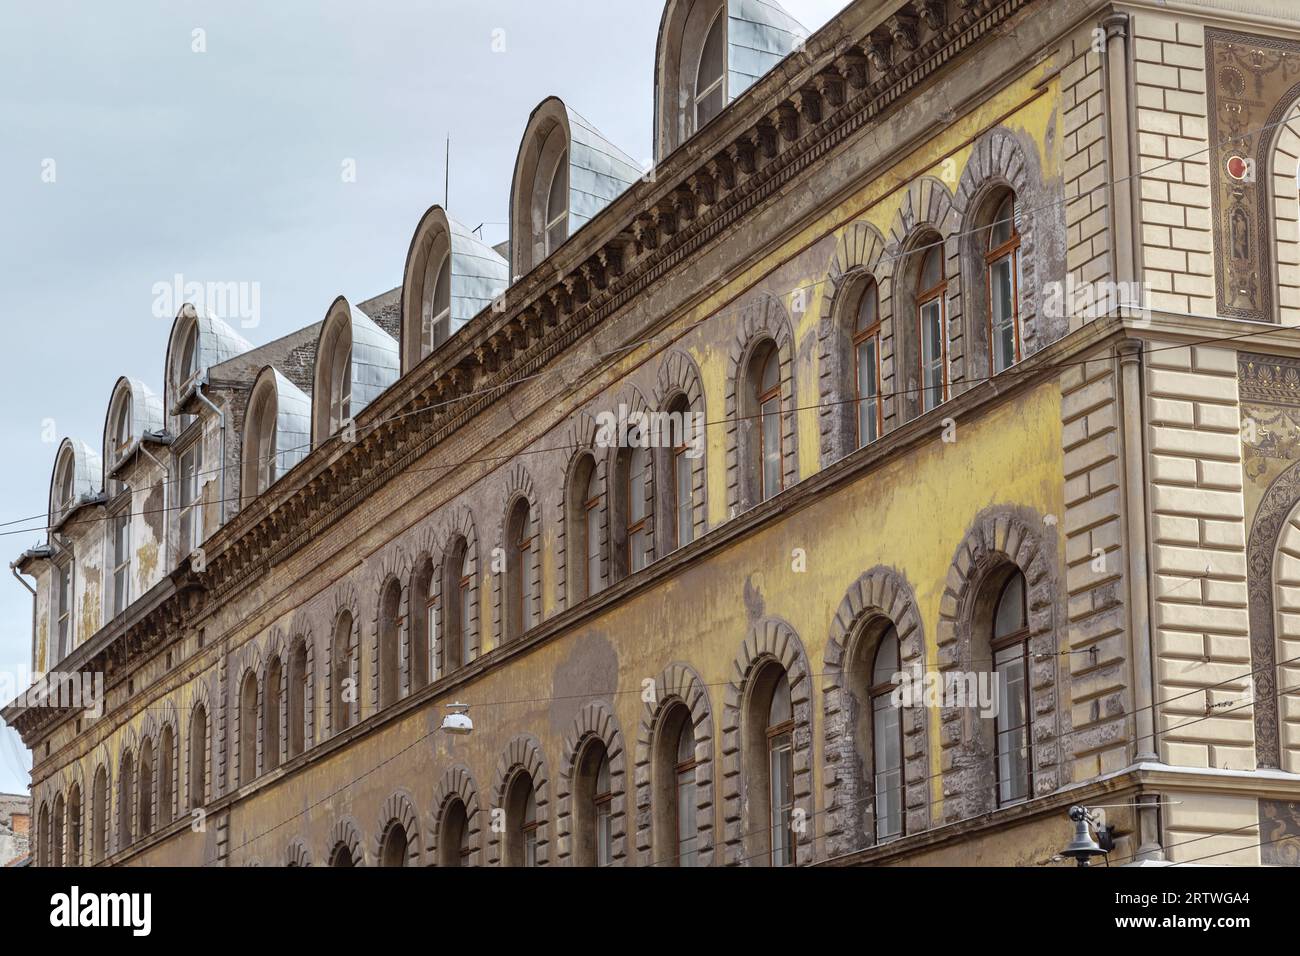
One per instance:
(199, 382)
(13, 569)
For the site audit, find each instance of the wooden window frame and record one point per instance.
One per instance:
(935, 293)
(861, 338)
(1020, 637)
(1007, 250)
(763, 397)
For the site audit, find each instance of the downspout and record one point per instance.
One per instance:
(19, 578)
(221, 423)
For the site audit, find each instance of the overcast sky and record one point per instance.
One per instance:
(228, 165)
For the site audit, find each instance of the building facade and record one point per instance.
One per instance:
(908, 456)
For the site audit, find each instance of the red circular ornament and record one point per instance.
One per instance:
(1237, 167)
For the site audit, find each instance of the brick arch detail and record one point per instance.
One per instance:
(763, 318)
(770, 639)
(580, 438)
(859, 255)
(400, 808)
(679, 375)
(346, 831)
(297, 853)
(202, 697)
(457, 782)
(595, 721)
(396, 566)
(881, 593)
(343, 599)
(523, 753)
(459, 524)
(519, 485)
(678, 683)
(999, 536)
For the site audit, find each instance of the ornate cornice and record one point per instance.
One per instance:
(791, 119)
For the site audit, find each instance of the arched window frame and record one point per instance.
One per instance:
(868, 374)
(889, 815)
(556, 227)
(779, 734)
(932, 317)
(198, 757)
(520, 542)
(343, 661)
(391, 622)
(1009, 646)
(765, 386)
(1002, 273)
(681, 478)
(710, 101)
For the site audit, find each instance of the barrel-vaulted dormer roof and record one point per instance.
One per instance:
(134, 411)
(355, 361)
(197, 343)
(77, 478)
(566, 173)
(709, 52)
(276, 433)
(451, 276)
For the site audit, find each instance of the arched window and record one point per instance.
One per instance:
(711, 74)
(886, 739)
(297, 699)
(1010, 646)
(166, 767)
(930, 316)
(125, 800)
(1003, 261)
(122, 426)
(341, 855)
(390, 625)
(521, 821)
(584, 530)
(56, 831)
(395, 846)
(676, 827)
(342, 676)
(435, 308)
(43, 836)
(74, 826)
(769, 759)
(99, 816)
(594, 844)
(453, 844)
(189, 366)
(632, 511)
(198, 762)
(557, 204)
(518, 612)
(247, 730)
(340, 383)
(866, 359)
(458, 589)
(271, 710)
(763, 421)
(422, 622)
(145, 812)
(260, 444)
(682, 486)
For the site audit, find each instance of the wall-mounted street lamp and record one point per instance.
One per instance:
(458, 722)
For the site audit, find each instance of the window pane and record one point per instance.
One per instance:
(771, 425)
(604, 835)
(781, 770)
(1010, 616)
(466, 630)
(888, 760)
(593, 550)
(1012, 726)
(686, 830)
(868, 392)
(1004, 317)
(1003, 225)
(932, 354)
(931, 268)
(636, 502)
(685, 499)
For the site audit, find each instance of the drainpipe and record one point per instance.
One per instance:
(19, 578)
(1139, 592)
(1124, 229)
(221, 422)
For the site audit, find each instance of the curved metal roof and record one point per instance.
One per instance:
(760, 34)
(217, 343)
(146, 412)
(376, 363)
(292, 418)
(599, 172)
(478, 274)
(87, 475)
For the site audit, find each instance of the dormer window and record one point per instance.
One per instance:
(343, 387)
(122, 426)
(711, 74)
(189, 366)
(276, 432)
(65, 486)
(565, 174)
(451, 275)
(708, 53)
